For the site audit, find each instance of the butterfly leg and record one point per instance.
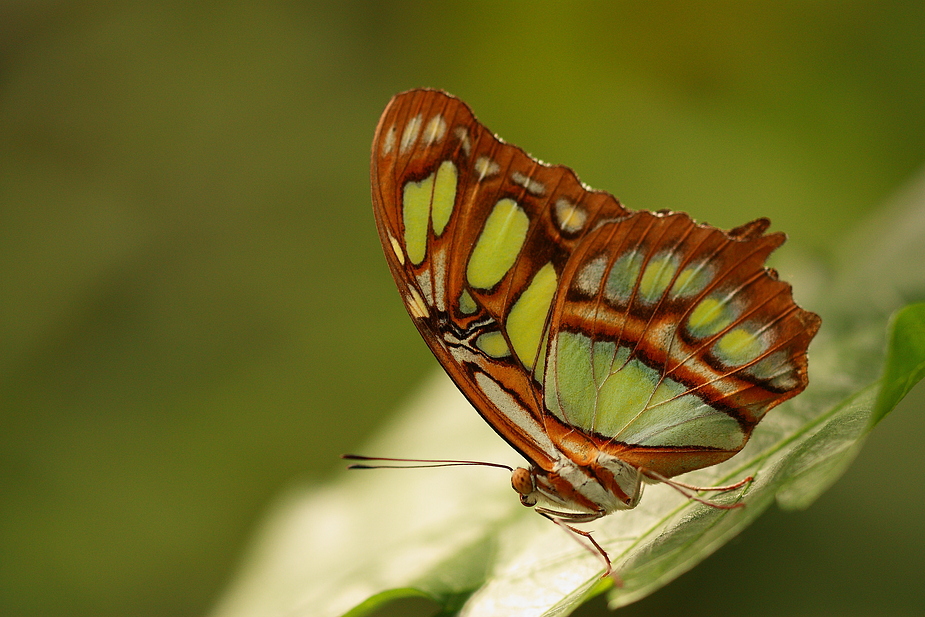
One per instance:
(717, 489)
(560, 518)
(688, 489)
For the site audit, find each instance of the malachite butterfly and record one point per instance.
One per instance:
(608, 346)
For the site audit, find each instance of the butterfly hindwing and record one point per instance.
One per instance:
(671, 340)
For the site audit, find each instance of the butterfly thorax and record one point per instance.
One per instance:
(605, 485)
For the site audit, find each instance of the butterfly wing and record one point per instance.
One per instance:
(672, 340)
(477, 235)
(572, 324)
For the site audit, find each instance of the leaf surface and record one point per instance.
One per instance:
(460, 537)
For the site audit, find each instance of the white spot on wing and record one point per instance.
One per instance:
(416, 304)
(410, 134)
(570, 218)
(388, 144)
(533, 186)
(787, 381)
(776, 369)
(515, 412)
(396, 248)
(463, 135)
(424, 281)
(439, 269)
(590, 276)
(435, 131)
(485, 167)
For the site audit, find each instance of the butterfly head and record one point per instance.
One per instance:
(523, 482)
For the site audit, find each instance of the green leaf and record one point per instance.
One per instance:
(460, 538)
(905, 362)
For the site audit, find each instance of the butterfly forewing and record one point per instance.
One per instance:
(477, 234)
(573, 324)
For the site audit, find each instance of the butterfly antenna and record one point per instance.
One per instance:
(417, 463)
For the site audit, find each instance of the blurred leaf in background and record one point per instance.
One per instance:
(195, 310)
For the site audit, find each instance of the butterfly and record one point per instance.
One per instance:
(609, 347)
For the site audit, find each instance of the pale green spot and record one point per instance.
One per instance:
(691, 281)
(739, 346)
(667, 390)
(416, 216)
(777, 370)
(493, 344)
(570, 391)
(709, 317)
(498, 245)
(466, 303)
(671, 417)
(444, 196)
(527, 318)
(622, 396)
(539, 370)
(687, 421)
(603, 360)
(433, 199)
(774, 365)
(665, 407)
(632, 404)
(623, 276)
(657, 277)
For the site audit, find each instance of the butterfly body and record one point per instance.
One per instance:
(610, 347)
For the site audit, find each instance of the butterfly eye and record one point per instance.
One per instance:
(522, 481)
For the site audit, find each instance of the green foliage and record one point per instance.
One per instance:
(905, 361)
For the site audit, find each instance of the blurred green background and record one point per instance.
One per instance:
(196, 314)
